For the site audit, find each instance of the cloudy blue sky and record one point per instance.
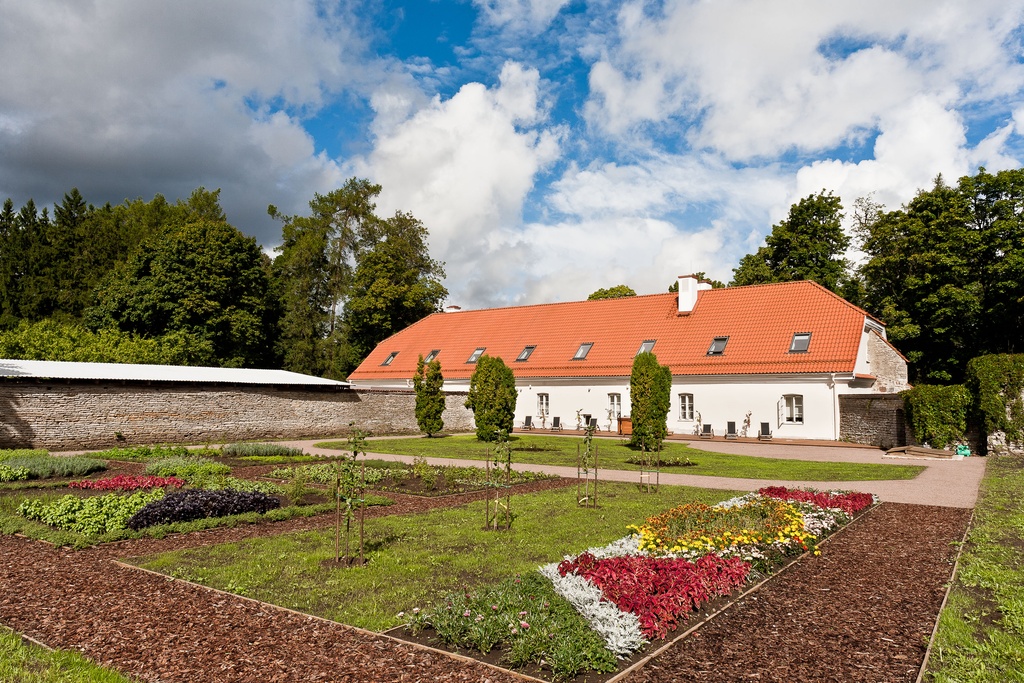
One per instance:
(551, 146)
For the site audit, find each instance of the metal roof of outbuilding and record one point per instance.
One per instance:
(46, 369)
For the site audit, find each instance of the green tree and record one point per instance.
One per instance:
(616, 292)
(808, 245)
(313, 275)
(924, 277)
(492, 397)
(50, 339)
(650, 388)
(205, 278)
(427, 382)
(395, 284)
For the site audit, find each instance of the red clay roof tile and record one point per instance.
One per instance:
(759, 321)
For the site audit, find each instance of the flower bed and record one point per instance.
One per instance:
(127, 482)
(89, 516)
(658, 590)
(848, 501)
(193, 504)
(640, 587)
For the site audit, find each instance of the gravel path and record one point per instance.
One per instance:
(947, 483)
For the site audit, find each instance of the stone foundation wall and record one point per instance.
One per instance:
(874, 419)
(71, 416)
(999, 445)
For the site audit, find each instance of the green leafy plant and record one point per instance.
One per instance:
(146, 453)
(187, 468)
(938, 414)
(8, 453)
(259, 450)
(527, 619)
(89, 516)
(8, 473)
(52, 467)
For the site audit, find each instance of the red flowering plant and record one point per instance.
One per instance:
(849, 502)
(659, 590)
(127, 482)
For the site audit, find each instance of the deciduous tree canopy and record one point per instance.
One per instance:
(809, 245)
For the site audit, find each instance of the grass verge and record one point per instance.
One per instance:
(981, 629)
(612, 454)
(32, 664)
(417, 559)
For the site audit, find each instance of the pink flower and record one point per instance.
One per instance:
(522, 614)
(494, 607)
(523, 625)
(467, 613)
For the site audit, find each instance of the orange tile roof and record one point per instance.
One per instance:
(759, 321)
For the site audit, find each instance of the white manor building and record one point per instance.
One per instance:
(784, 353)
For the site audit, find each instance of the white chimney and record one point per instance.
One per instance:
(689, 285)
(452, 309)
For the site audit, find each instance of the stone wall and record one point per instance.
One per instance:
(874, 419)
(888, 366)
(67, 416)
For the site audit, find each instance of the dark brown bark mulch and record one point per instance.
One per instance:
(861, 611)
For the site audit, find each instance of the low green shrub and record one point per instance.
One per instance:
(323, 473)
(89, 516)
(259, 450)
(8, 453)
(187, 506)
(220, 482)
(8, 473)
(51, 467)
(527, 619)
(146, 453)
(189, 468)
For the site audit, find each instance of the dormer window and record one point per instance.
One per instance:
(581, 353)
(647, 346)
(801, 342)
(475, 356)
(525, 353)
(389, 359)
(717, 347)
(432, 355)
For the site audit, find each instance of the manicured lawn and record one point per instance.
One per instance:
(32, 664)
(415, 559)
(981, 629)
(612, 454)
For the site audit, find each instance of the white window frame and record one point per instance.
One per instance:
(793, 409)
(390, 359)
(475, 356)
(686, 408)
(543, 404)
(615, 404)
(432, 355)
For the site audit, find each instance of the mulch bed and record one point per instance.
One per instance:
(863, 611)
